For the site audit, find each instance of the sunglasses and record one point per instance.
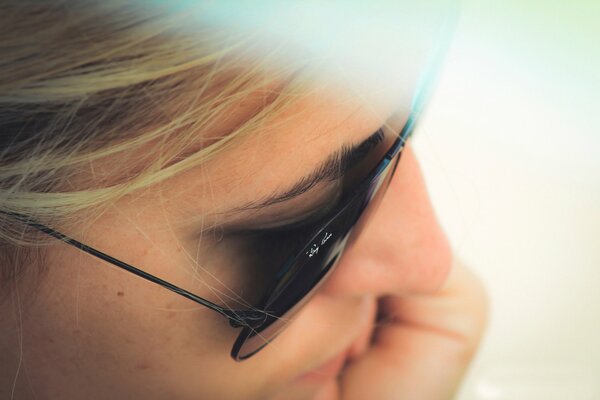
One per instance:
(290, 274)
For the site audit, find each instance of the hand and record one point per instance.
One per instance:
(423, 344)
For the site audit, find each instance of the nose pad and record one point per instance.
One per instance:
(402, 249)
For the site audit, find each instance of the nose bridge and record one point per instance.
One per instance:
(402, 249)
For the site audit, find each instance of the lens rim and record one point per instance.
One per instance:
(369, 182)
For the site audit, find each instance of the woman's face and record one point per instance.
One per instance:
(94, 331)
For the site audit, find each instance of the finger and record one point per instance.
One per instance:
(424, 344)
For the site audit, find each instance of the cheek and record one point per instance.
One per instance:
(91, 323)
(325, 328)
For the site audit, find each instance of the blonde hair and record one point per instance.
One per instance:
(81, 81)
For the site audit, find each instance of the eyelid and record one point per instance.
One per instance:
(300, 222)
(289, 216)
(316, 215)
(250, 224)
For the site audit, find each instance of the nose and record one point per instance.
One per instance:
(402, 248)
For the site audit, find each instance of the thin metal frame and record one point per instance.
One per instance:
(237, 318)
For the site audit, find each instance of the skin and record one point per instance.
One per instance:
(92, 331)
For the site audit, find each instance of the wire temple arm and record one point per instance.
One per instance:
(237, 318)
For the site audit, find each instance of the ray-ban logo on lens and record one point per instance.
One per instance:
(314, 248)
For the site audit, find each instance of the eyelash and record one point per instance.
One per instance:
(277, 244)
(274, 245)
(290, 235)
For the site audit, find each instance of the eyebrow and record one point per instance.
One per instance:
(333, 168)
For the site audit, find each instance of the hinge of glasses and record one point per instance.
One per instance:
(243, 318)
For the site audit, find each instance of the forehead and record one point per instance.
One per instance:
(284, 150)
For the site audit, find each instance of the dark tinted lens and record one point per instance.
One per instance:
(240, 268)
(300, 277)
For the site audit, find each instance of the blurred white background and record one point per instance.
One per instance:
(510, 147)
